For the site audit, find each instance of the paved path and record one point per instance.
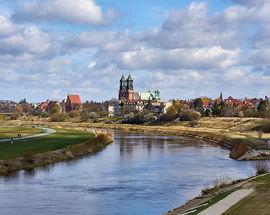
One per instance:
(226, 203)
(46, 132)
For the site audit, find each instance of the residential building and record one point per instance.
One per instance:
(73, 103)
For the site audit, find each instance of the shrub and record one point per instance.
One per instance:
(29, 158)
(239, 149)
(218, 183)
(44, 115)
(189, 115)
(86, 115)
(140, 118)
(14, 116)
(264, 126)
(74, 114)
(261, 167)
(2, 117)
(101, 138)
(58, 117)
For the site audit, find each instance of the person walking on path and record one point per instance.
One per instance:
(12, 140)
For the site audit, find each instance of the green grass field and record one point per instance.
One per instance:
(12, 132)
(59, 140)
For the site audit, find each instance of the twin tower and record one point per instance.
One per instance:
(126, 92)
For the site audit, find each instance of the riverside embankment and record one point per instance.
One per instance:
(242, 197)
(30, 160)
(243, 145)
(236, 134)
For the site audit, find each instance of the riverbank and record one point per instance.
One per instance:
(236, 134)
(244, 197)
(243, 144)
(68, 152)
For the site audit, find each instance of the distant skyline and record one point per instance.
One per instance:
(186, 49)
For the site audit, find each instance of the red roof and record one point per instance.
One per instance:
(74, 99)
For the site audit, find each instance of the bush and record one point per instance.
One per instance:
(101, 138)
(58, 117)
(2, 117)
(74, 114)
(189, 115)
(218, 183)
(14, 116)
(264, 126)
(85, 115)
(44, 115)
(239, 149)
(261, 167)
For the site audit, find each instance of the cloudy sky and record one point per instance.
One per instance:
(184, 48)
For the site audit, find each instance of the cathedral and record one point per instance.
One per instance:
(127, 94)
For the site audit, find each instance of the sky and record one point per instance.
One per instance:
(186, 49)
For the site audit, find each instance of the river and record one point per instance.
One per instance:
(138, 174)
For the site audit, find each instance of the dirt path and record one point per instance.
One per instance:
(46, 132)
(226, 203)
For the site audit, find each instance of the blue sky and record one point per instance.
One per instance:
(184, 48)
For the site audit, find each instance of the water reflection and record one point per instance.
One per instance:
(137, 175)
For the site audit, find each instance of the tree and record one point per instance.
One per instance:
(198, 105)
(262, 108)
(218, 108)
(174, 111)
(18, 109)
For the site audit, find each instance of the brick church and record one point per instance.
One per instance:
(127, 94)
(126, 91)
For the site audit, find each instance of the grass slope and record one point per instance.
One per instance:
(256, 203)
(59, 140)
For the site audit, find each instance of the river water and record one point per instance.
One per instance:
(138, 174)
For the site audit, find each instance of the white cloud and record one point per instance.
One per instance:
(6, 26)
(196, 58)
(70, 11)
(250, 2)
(195, 51)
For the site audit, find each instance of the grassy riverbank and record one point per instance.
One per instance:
(61, 139)
(258, 202)
(63, 145)
(237, 134)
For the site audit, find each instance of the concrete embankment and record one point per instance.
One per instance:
(71, 152)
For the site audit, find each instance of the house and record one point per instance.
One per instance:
(42, 107)
(113, 109)
(166, 105)
(73, 103)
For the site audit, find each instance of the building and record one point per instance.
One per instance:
(150, 96)
(73, 103)
(127, 93)
(126, 90)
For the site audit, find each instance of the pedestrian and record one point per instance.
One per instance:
(11, 140)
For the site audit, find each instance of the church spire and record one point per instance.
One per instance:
(221, 96)
(129, 83)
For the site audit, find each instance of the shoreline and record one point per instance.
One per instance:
(92, 146)
(205, 199)
(222, 138)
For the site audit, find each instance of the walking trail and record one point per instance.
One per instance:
(46, 132)
(226, 203)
